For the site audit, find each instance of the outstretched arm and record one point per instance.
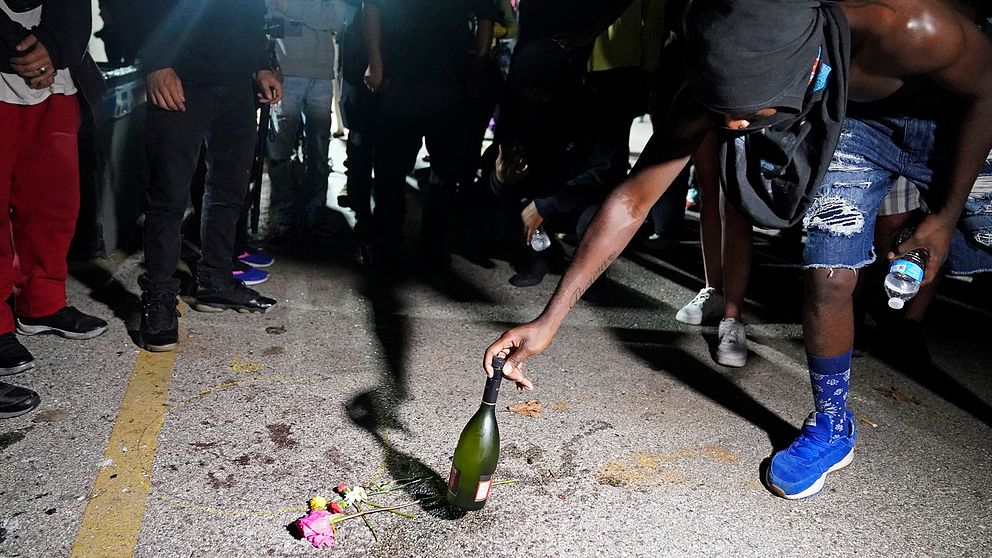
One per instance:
(610, 232)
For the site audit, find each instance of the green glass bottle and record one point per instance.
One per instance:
(478, 450)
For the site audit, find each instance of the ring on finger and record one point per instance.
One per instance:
(42, 70)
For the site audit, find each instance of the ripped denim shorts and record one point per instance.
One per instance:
(871, 155)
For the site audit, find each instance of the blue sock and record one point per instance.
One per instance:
(830, 377)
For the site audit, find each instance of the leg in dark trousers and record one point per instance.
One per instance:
(230, 152)
(173, 141)
(400, 126)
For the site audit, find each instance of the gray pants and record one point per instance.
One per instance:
(307, 101)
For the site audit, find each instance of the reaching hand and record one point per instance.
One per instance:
(165, 90)
(270, 87)
(532, 220)
(511, 165)
(516, 346)
(35, 65)
(932, 236)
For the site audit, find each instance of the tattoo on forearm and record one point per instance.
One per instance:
(577, 293)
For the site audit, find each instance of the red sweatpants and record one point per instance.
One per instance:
(39, 203)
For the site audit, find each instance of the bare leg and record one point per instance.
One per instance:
(710, 229)
(828, 311)
(737, 240)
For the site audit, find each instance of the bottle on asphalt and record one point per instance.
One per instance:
(477, 452)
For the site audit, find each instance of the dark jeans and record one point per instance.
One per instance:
(223, 116)
(407, 113)
(358, 109)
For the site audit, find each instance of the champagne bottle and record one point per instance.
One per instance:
(478, 450)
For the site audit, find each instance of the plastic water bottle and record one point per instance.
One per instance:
(905, 274)
(540, 241)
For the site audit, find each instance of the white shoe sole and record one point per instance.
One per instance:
(732, 360)
(258, 266)
(686, 319)
(816, 486)
(36, 329)
(17, 369)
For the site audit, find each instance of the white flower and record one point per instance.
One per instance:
(355, 495)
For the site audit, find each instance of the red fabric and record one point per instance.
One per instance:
(39, 203)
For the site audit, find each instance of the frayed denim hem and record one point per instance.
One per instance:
(854, 267)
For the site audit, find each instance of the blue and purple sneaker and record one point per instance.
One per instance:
(256, 258)
(821, 448)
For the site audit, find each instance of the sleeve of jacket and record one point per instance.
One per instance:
(65, 29)
(606, 168)
(11, 33)
(259, 43)
(159, 24)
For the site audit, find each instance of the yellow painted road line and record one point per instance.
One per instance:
(113, 516)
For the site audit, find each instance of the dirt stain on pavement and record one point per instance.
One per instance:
(279, 434)
(337, 458)
(8, 439)
(654, 468)
(274, 350)
(217, 483)
(560, 406)
(51, 415)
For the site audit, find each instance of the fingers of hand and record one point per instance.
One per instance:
(43, 81)
(501, 348)
(30, 62)
(27, 43)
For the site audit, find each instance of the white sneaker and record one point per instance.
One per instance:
(707, 306)
(732, 350)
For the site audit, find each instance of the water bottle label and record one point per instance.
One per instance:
(485, 484)
(907, 268)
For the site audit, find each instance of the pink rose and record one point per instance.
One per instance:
(341, 488)
(316, 528)
(334, 508)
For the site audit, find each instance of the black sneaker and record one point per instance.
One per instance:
(67, 322)
(235, 297)
(159, 321)
(15, 401)
(14, 358)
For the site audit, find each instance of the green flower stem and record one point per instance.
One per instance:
(380, 506)
(337, 520)
(367, 522)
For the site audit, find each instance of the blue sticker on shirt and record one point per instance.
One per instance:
(821, 76)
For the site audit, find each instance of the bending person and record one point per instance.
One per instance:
(778, 101)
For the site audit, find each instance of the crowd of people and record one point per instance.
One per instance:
(850, 123)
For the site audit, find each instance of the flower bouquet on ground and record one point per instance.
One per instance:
(349, 502)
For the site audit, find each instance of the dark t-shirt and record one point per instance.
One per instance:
(429, 40)
(204, 41)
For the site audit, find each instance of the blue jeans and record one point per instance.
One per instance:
(971, 247)
(305, 100)
(870, 156)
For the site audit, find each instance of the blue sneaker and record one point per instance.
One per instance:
(250, 276)
(256, 258)
(799, 471)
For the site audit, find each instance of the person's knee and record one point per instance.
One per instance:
(830, 287)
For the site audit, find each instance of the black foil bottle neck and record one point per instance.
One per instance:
(492, 384)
